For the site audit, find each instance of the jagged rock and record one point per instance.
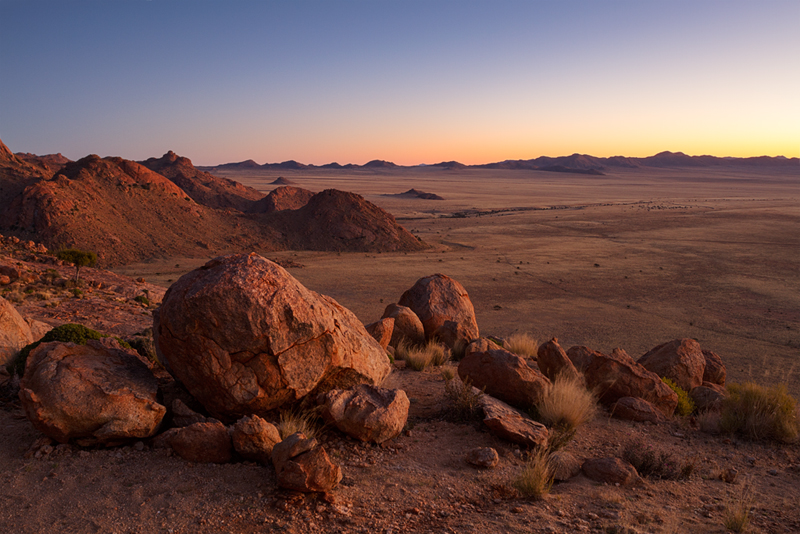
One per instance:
(200, 442)
(303, 465)
(381, 331)
(183, 416)
(581, 357)
(708, 396)
(367, 412)
(553, 361)
(503, 374)
(510, 424)
(485, 457)
(254, 438)
(680, 360)
(14, 332)
(406, 325)
(245, 337)
(565, 465)
(610, 471)
(617, 375)
(714, 371)
(97, 393)
(444, 308)
(635, 409)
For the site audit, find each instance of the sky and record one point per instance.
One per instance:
(405, 81)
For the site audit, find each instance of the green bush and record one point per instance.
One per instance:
(142, 300)
(686, 405)
(760, 413)
(79, 258)
(66, 333)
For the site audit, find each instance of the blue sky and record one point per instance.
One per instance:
(411, 82)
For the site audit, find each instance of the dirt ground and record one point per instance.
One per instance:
(629, 260)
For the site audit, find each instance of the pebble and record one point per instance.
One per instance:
(773, 472)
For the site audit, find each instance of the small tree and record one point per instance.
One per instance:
(79, 258)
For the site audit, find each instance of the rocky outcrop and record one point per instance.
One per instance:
(616, 376)
(254, 438)
(714, 371)
(502, 374)
(282, 198)
(610, 471)
(512, 425)
(444, 308)
(93, 393)
(245, 337)
(14, 332)
(635, 409)
(680, 360)
(367, 413)
(204, 443)
(303, 465)
(381, 331)
(406, 325)
(553, 362)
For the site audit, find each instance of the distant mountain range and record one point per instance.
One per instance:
(576, 163)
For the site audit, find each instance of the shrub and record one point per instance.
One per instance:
(66, 333)
(459, 349)
(686, 405)
(142, 300)
(79, 258)
(760, 412)
(522, 344)
(292, 421)
(464, 399)
(432, 353)
(566, 403)
(655, 464)
(737, 512)
(536, 477)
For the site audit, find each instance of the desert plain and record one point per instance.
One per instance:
(630, 259)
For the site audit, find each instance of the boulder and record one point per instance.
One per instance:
(610, 471)
(581, 357)
(245, 337)
(406, 325)
(444, 307)
(14, 332)
(183, 416)
(303, 465)
(95, 393)
(616, 376)
(503, 374)
(565, 465)
(512, 425)
(708, 396)
(680, 360)
(635, 409)
(366, 412)
(204, 443)
(715, 370)
(38, 328)
(553, 361)
(254, 438)
(485, 457)
(381, 331)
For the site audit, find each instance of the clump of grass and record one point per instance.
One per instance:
(655, 464)
(566, 403)
(430, 354)
(686, 405)
(760, 412)
(292, 421)
(536, 477)
(737, 512)
(142, 299)
(464, 399)
(459, 349)
(522, 344)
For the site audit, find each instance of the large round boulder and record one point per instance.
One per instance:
(444, 307)
(246, 338)
(406, 325)
(93, 393)
(680, 360)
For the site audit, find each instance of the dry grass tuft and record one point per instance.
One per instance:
(430, 354)
(292, 422)
(566, 403)
(536, 477)
(760, 412)
(465, 399)
(737, 512)
(522, 344)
